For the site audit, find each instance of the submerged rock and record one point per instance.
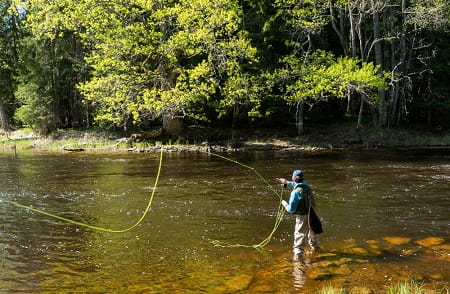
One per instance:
(319, 275)
(328, 263)
(444, 247)
(374, 248)
(445, 257)
(239, 283)
(408, 252)
(436, 276)
(356, 251)
(430, 241)
(341, 270)
(349, 243)
(324, 255)
(138, 288)
(344, 260)
(262, 289)
(361, 290)
(397, 240)
(324, 263)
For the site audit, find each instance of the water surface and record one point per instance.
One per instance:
(375, 205)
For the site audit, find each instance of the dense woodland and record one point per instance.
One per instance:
(137, 64)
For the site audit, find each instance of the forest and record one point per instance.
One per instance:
(136, 64)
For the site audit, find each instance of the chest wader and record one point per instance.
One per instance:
(307, 223)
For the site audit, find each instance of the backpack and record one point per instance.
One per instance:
(306, 206)
(307, 199)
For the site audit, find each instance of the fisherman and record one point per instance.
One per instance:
(300, 203)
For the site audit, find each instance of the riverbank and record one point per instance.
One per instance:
(317, 137)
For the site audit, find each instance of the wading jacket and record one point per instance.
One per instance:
(301, 198)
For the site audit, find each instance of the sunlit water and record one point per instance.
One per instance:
(363, 197)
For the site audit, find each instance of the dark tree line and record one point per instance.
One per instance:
(135, 64)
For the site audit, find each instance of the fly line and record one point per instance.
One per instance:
(279, 216)
(217, 243)
(101, 229)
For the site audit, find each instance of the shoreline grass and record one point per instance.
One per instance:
(405, 287)
(333, 137)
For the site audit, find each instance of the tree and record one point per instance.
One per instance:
(10, 33)
(137, 63)
(156, 60)
(50, 65)
(323, 76)
(312, 75)
(430, 21)
(303, 20)
(48, 72)
(398, 37)
(210, 39)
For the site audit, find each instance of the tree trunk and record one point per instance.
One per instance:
(347, 112)
(362, 50)
(394, 105)
(395, 114)
(352, 32)
(374, 115)
(299, 117)
(3, 118)
(361, 109)
(339, 31)
(234, 122)
(172, 126)
(379, 61)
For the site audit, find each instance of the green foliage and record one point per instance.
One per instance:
(35, 109)
(127, 63)
(430, 14)
(210, 33)
(320, 75)
(32, 94)
(349, 74)
(48, 72)
(10, 33)
(305, 17)
(149, 61)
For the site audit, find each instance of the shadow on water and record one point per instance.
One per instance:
(385, 215)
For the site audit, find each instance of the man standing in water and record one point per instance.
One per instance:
(300, 202)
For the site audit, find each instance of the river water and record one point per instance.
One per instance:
(385, 215)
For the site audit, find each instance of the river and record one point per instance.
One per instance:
(385, 215)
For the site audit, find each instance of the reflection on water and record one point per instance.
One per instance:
(385, 216)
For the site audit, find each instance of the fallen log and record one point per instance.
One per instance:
(73, 149)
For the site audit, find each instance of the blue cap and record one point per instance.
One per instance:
(297, 173)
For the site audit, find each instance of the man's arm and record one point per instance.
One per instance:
(283, 181)
(291, 207)
(286, 182)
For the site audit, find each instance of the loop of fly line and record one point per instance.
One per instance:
(217, 243)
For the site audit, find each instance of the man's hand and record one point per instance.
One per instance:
(284, 202)
(282, 181)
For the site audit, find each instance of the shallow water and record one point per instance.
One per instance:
(365, 198)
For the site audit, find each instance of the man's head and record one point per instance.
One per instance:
(297, 176)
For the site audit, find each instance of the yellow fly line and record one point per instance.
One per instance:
(279, 217)
(100, 228)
